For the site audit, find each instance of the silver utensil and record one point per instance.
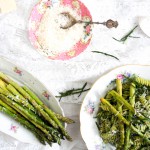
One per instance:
(71, 21)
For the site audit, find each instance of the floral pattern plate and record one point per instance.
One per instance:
(91, 102)
(10, 126)
(37, 14)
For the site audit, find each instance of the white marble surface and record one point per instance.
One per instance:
(87, 67)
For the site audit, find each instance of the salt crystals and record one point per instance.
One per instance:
(52, 38)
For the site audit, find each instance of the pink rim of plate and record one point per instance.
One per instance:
(37, 14)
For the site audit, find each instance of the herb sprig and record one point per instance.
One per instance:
(128, 35)
(105, 54)
(73, 92)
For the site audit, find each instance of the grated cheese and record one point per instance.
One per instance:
(51, 37)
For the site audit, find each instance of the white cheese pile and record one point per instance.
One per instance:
(51, 37)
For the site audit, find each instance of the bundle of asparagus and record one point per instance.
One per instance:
(124, 114)
(20, 103)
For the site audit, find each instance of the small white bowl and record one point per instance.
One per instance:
(144, 23)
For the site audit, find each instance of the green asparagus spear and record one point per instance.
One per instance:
(3, 85)
(25, 113)
(119, 86)
(17, 99)
(119, 107)
(49, 112)
(44, 114)
(11, 89)
(60, 117)
(7, 107)
(121, 100)
(8, 89)
(114, 111)
(41, 139)
(132, 102)
(33, 102)
(64, 119)
(14, 91)
(26, 103)
(33, 95)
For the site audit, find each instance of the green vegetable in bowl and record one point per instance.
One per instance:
(124, 114)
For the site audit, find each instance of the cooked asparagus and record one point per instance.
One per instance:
(49, 112)
(119, 106)
(25, 104)
(27, 115)
(60, 117)
(129, 102)
(132, 102)
(121, 100)
(9, 111)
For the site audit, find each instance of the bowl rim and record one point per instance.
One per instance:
(101, 76)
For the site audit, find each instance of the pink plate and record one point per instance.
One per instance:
(35, 19)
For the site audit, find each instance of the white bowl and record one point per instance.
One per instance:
(91, 103)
